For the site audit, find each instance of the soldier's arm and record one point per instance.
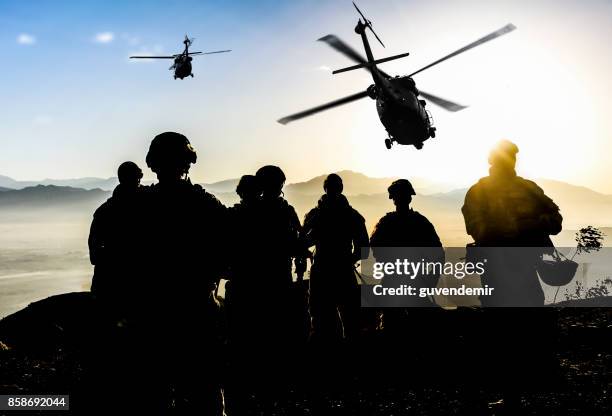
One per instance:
(432, 235)
(473, 214)
(309, 224)
(218, 233)
(550, 220)
(96, 239)
(436, 253)
(377, 239)
(361, 243)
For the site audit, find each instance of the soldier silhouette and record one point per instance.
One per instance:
(505, 210)
(245, 232)
(184, 247)
(261, 312)
(338, 233)
(410, 230)
(112, 237)
(114, 241)
(513, 219)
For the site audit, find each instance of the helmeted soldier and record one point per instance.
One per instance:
(339, 234)
(513, 219)
(261, 310)
(245, 233)
(505, 210)
(414, 238)
(184, 245)
(281, 226)
(112, 237)
(404, 227)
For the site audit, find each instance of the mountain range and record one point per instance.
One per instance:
(580, 206)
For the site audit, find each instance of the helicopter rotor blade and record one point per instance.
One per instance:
(506, 29)
(369, 25)
(153, 57)
(327, 106)
(339, 45)
(441, 102)
(210, 53)
(370, 64)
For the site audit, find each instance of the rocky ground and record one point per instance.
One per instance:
(42, 346)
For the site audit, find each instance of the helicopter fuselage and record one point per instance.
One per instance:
(399, 109)
(401, 112)
(182, 66)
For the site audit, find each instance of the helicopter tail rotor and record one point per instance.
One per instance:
(188, 41)
(368, 23)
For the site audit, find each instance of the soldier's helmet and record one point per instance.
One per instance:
(129, 173)
(333, 184)
(399, 188)
(248, 187)
(170, 151)
(271, 178)
(504, 152)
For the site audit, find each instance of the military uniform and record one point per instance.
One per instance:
(515, 217)
(505, 210)
(338, 233)
(113, 240)
(413, 231)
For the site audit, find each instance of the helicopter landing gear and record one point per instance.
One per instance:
(175, 77)
(388, 143)
(432, 132)
(191, 75)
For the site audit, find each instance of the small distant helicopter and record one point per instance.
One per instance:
(400, 110)
(182, 61)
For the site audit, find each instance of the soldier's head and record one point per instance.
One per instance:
(333, 185)
(129, 175)
(170, 156)
(503, 156)
(271, 179)
(401, 192)
(248, 188)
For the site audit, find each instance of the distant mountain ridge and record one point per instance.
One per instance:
(48, 194)
(355, 183)
(84, 183)
(580, 206)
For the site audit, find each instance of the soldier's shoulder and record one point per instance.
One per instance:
(389, 217)
(104, 208)
(480, 183)
(530, 185)
(310, 215)
(288, 207)
(206, 196)
(417, 216)
(357, 216)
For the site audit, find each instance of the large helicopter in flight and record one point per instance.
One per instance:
(182, 61)
(400, 107)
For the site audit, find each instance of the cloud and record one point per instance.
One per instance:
(104, 37)
(26, 39)
(324, 68)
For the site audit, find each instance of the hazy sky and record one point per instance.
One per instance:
(73, 105)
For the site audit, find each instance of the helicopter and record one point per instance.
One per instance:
(399, 103)
(182, 61)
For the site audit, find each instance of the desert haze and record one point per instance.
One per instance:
(44, 225)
